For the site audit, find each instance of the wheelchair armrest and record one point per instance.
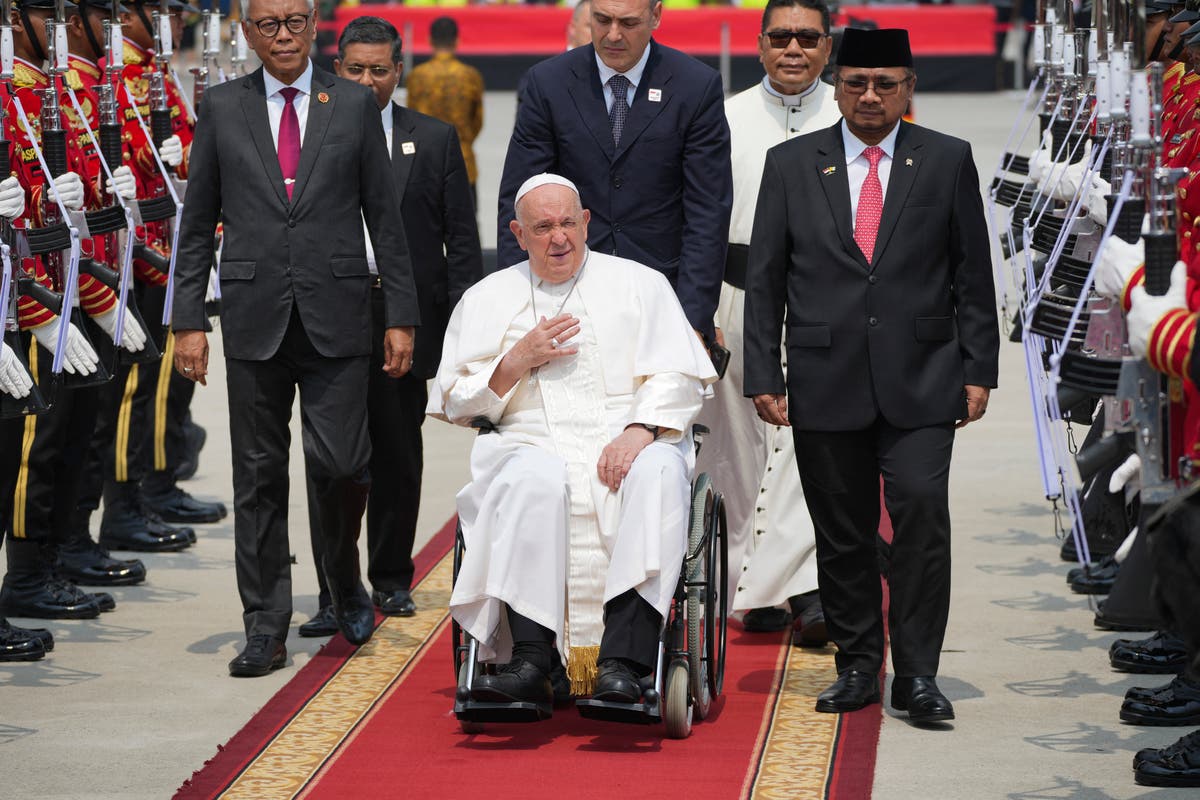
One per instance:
(698, 433)
(483, 425)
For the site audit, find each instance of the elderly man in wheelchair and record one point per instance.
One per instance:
(587, 376)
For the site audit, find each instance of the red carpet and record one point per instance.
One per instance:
(377, 722)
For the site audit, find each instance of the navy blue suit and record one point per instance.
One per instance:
(663, 196)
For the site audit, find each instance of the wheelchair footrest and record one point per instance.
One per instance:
(644, 713)
(479, 711)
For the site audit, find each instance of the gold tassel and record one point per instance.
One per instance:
(581, 669)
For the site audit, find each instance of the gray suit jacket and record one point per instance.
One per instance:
(308, 252)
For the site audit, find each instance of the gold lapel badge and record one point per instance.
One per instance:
(322, 98)
(829, 170)
(908, 162)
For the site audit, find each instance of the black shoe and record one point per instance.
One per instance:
(126, 525)
(766, 620)
(1177, 704)
(104, 601)
(262, 654)
(616, 682)
(559, 682)
(50, 599)
(84, 561)
(17, 644)
(1095, 578)
(1075, 573)
(41, 634)
(177, 506)
(518, 681)
(922, 699)
(809, 630)
(157, 525)
(1143, 694)
(852, 690)
(194, 437)
(355, 615)
(324, 623)
(1162, 653)
(1190, 741)
(397, 603)
(1177, 765)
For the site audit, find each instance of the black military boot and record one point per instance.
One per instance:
(1161, 654)
(18, 644)
(126, 525)
(1174, 765)
(1178, 703)
(31, 589)
(173, 504)
(1095, 578)
(81, 560)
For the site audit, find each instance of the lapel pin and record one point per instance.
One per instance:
(829, 170)
(654, 95)
(908, 162)
(408, 148)
(322, 98)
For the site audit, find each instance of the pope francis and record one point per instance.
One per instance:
(575, 519)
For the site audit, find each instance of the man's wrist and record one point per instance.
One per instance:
(654, 430)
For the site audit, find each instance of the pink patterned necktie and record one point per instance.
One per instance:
(870, 205)
(289, 139)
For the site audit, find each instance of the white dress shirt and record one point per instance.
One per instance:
(275, 102)
(857, 165)
(634, 75)
(386, 116)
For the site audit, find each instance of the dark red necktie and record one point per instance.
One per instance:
(289, 139)
(870, 205)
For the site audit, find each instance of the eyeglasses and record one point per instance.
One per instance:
(882, 86)
(376, 70)
(781, 39)
(269, 26)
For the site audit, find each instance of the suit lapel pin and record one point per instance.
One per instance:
(829, 170)
(908, 162)
(408, 148)
(654, 95)
(322, 98)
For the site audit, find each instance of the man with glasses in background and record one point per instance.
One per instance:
(293, 160)
(772, 561)
(871, 235)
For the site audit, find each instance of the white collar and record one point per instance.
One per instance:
(303, 83)
(855, 146)
(634, 74)
(788, 99)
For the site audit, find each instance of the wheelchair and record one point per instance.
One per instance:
(689, 673)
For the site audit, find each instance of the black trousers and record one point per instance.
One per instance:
(395, 411)
(840, 472)
(333, 417)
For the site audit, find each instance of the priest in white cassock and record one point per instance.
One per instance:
(772, 545)
(575, 519)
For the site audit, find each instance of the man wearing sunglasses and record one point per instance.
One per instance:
(871, 235)
(293, 160)
(772, 559)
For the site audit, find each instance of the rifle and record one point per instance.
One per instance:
(239, 52)
(210, 48)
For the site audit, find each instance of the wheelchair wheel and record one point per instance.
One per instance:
(466, 725)
(678, 711)
(700, 592)
(457, 642)
(716, 611)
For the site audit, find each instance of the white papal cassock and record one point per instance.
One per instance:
(752, 463)
(543, 534)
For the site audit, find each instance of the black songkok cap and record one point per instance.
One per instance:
(886, 47)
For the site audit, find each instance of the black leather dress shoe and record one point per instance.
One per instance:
(809, 629)
(127, 524)
(324, 623)
(1177, 704)
(766, 620)
(41, 634)
(1187, 742)
(1177, 765)
(177, 506)
(262, 654)
(355, 615)
(616, 682)
(922, 699)
(17, 644)
(852, 690)
(1094, 578)
(518, 681)
(397, 603)
(50, 599)
(84, 561)
(1162, 653)
(1144, 693)
(104, 600)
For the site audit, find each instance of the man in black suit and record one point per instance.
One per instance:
(872, 232)
(651, 159)
(296, 306)
(439, 222)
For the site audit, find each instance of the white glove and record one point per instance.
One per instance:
(133, 339)
(79, 356)
(1130, 470)
(122, 183)
(1040, 163)
(14, 380)
(12, 198)
(1096, 200)
(171, 151)
(1065, 188)
(70, 190)
(1146, 309)
(1117, 262)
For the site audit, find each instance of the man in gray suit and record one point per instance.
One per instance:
(289, 159)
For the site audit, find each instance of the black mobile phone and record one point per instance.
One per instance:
(720, 358)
